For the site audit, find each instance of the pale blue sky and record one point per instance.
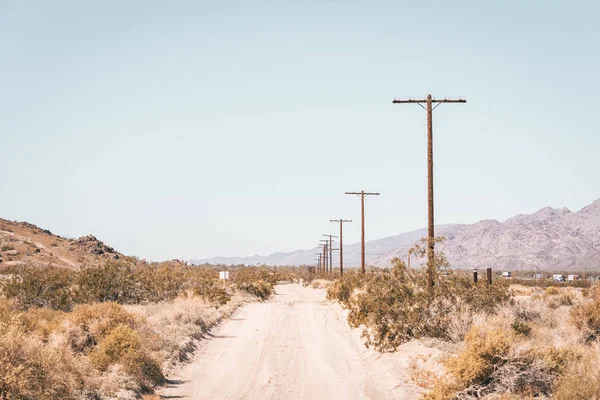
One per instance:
(193, 129)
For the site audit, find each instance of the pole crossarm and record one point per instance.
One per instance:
(400, 101)
(364, 194)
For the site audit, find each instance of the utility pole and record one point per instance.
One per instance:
(330, 251)
(430, 231)
(341, 221)
(319, 259)
(325, 255)
(362, 195)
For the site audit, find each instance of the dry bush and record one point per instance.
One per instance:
(529, 310)
(552, 290)
(42, 321)
(491, 364)
(257, 281)
(586, 317)
(397, 305)
(205, 283)
(320, 284)
(95, 321)
(31, 370)
(342, 289)
(113, 281)
(34, 287)
(581, 378)
(119, 342)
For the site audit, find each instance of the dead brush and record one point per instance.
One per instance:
(491, 363)
(527, 311)
(586, 317)
(581, 377)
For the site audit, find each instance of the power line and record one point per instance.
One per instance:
(430, 232)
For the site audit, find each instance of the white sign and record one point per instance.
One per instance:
(224, 275)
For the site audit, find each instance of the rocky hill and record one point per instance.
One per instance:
(549, 239)
(25, 243)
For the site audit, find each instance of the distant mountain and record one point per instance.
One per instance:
(549, 239)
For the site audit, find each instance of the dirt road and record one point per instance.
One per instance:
(295, 346)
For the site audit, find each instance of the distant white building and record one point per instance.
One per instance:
(572, 278)
(506, 274)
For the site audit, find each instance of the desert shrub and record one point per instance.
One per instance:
(342, 289)
(527, 310)
(483, 352)
(562, 299)
(395, 306)
(204, 282)
(35, 287)
(30, 370)
(521, 327)
(93, 322)
(143, 368)
(490, 365)
(160, 283)
(261, 289)
(112, 281)
(256, 281)
(586, 317)
(119, 342)
(123, 346)
(320, 284)
(41, 321)
(552, 290)
(581, 379)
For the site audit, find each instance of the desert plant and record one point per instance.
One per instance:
(581, 378)
(34, 287)
(112, 281)
(586, 317)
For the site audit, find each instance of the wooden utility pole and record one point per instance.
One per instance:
(362, 195)
(319, 260)
(325, 255)
(341, 221)
(326, 258)
(330, 248)
(430, 230)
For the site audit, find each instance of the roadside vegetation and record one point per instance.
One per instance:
(111, 331)
(501, 341)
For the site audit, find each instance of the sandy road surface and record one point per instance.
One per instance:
(295, 346)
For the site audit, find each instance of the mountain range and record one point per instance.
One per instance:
(550, 239)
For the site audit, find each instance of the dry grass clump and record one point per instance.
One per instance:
(581, 379)
(320, 284)
(123, 346)
(491, 363)
(256, 281)
(586, 316)
(32, 369)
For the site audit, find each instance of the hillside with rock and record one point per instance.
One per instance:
(550, 239)
(24, 243)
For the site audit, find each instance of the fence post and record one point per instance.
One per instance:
(475, 276)
(489, 276)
